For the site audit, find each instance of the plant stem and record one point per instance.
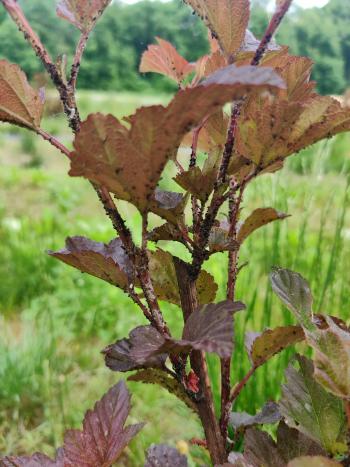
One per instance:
(276, 19)
(77, 59)
(347, 412)
(189, 303)
(238, 388)
(54, 142)
(192, 164)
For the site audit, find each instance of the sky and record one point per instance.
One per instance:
(302, 3)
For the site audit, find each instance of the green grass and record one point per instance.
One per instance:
(55, 320)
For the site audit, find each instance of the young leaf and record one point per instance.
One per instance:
(262, 347)
(19, 102)
(251, 44)
(162, 455)
(129, 162)
(104, 436)
(220, 240)
(107, 262)
(257, 219)
(307, 406)
(295, 293)
(172, 385)
(269, 414)
(80, 13)
(165, 59)
(332, 357)
(165, 232)
(206, 287)
(226, 19)
(169, 205)
(195, 182)
(313, 461)
(123, 355)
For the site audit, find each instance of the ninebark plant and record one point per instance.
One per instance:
(275, 112)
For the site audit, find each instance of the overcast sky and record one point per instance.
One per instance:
(303, 3)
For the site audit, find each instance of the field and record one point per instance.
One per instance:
(55, 321)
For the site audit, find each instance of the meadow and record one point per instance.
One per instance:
(55, 321)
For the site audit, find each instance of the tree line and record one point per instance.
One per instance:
(115, 47)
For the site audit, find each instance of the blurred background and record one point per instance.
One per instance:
(53, 320)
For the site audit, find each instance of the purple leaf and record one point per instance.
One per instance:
(107, 262)
(162, 455)
(104, 436)
(134, 353)
(36, 460)
(269, 414)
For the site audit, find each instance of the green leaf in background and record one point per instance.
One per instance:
(295, 293)
(332, 357)
(311, 409)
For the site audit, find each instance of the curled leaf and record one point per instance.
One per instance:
(107, 262)
(269, 414)
(126, 354)
(258, 218)
(19, 102)
(262, 347)
(162, 455)
(80, 13)
(164, 59)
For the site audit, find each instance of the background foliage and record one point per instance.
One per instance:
(114, 50)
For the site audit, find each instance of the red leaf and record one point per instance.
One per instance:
(129, 162)
(103, 437)
(107, 262)
(81, 13)
(19, 102)
(165, 59)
